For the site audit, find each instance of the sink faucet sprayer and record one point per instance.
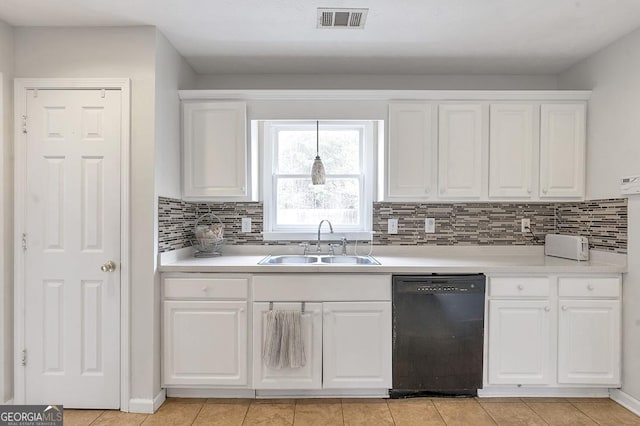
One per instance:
(320, 226)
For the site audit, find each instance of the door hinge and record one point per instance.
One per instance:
(24, 357)
(24, 124)
(24, 241)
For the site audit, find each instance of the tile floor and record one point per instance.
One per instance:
(370, 412)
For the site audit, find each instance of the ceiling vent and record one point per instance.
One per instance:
(341, 18)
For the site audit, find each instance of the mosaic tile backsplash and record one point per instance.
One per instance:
(604, 222)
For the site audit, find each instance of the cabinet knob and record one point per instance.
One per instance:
(528, 190)
(426, 190)
(204, 289)
(590, 287)
(564, 308)
(441, 190)
(520, 287)
(547, 309)
(544, 190)
(241, 310)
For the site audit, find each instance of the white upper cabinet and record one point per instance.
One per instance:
(460, 151)
(411, 151)
(215, 161)
(562, 150)
(511, 150)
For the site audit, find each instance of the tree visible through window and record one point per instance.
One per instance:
(294, 203)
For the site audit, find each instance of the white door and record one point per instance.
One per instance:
(460, 151)
(205, 342)
(72, 307)
(562, 150)
(589, 342)
(519, 339)
(412, 151)
(307, 377)
(357, 345)
(511, 154)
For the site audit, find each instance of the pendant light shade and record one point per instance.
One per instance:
(317, 170)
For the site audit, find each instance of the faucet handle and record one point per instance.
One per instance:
(344, 243)
(305, 246)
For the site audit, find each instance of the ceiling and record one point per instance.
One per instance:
(400, 36)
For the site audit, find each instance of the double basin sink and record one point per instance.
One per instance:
(312, 259)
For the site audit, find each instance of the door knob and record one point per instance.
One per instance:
(110, 266)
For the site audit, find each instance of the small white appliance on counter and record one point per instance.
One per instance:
(567, 246)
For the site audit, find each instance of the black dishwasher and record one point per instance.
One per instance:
(438, 335)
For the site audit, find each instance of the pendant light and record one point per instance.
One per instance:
(317, 170)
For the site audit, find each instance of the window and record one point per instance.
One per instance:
(292, 205)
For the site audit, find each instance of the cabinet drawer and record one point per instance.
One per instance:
(206, 288)
(589, 287)
(519, 286)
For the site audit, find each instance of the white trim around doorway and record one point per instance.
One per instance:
(20, 89)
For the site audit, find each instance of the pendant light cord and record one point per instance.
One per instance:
(317, 138)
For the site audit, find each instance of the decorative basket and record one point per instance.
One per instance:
(209, 235)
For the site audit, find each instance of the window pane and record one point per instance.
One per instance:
(301, 203)
(296, 151)
(339, 150)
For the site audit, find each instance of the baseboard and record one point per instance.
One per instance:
(147, 406)
(509, 391)
(626, 400)
(210, 393)
(323, 393)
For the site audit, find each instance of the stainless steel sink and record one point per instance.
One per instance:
(318, 260)
(350, 260)
(288, 260)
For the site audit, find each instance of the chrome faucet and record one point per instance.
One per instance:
(320, 226)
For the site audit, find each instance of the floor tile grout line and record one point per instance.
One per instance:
(246, 412)
(96, 419)
(588, 416)
(393, 419)
(197, 414)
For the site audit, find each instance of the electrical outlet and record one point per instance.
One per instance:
(246, 224)
(430, 225)
(525, 225)
(392, 226)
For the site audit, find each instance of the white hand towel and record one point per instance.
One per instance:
(283, 345)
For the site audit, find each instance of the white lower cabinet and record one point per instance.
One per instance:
(528, 315)
(307, 377)
(205, 330)
(357, 345)
(205, 342)
(589, 342)
(519, 339)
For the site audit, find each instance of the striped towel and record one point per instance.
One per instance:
(283, 345)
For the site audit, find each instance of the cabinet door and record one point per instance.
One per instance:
(562, 150)
(214, 150)
(205, 343)
(589, 342)
(519, 339)
(307, 377)
(411, 151)
(511, 154)
(357, 345)
(460, 151)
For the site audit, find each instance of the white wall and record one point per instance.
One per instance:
(172, 73)
(613, 151)
(6, 212)
(374, 81)
(115, 52)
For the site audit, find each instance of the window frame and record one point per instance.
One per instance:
(368, 147)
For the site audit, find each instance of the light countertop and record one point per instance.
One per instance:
(401, 260)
